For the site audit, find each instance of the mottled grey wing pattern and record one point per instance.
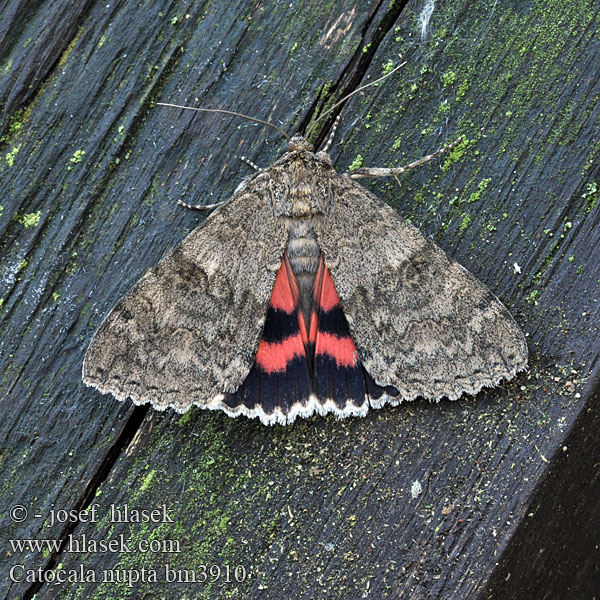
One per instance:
(189, 329)
(420, 321)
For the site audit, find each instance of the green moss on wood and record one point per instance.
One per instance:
(31, 219)
(11, 155)
(357, 163)
(591, 195)
(481, 187)
(466, 221)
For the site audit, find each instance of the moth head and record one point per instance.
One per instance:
(299, 143)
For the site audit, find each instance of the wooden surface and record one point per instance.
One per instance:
(90, 174)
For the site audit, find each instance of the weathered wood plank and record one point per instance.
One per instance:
(32, 39)
(90, 176)
(555, 553)
(322, 508)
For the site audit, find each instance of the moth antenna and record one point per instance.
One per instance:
(229, 112)
(330, 138)
(362, 87)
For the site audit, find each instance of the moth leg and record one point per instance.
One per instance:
(203, 206)
(253, 165)
(393, 172)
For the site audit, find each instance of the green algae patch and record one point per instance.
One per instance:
(357, 163)
(591, 195)
(481, 187)
(31, 219)
(466, 221)
(76, 158)
(147, 480)
(11, 155)
(457, 153)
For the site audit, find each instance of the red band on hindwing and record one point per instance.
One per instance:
(340, 348)
(295, 368)
(285, 342)
(312, 335)
(285, 322)
(275, 357)
(327, 298)
(302, 327)
(329, 330)
(285, 291)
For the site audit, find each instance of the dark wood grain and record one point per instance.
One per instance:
(91, 171)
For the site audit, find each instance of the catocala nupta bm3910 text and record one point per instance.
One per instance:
(303, 294)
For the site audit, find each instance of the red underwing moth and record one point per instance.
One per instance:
(304, 293)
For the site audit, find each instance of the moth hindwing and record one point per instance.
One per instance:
(303, 294)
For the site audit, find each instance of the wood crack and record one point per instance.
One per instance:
(120, 445)
(374, 31)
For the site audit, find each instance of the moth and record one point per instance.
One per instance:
(303, 294)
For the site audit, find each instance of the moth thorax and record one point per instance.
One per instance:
(301, 199)
(299, 143)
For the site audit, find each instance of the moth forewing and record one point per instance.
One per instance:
(303, 294)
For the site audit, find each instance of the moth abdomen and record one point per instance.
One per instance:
(303, 253)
